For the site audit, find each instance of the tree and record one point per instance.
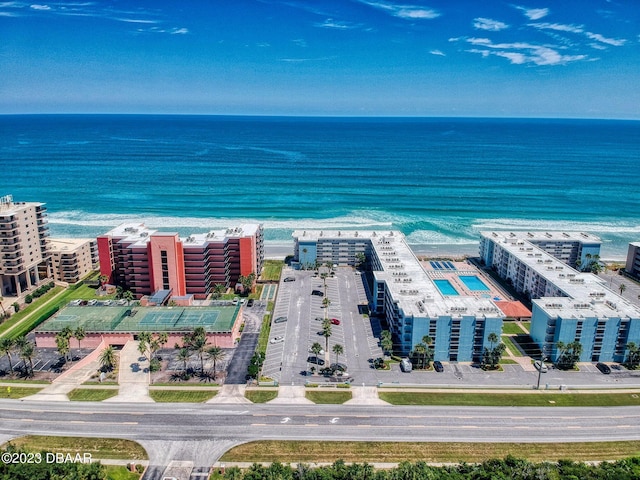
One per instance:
(493, 339)
(316, 348)
(62, 344)
(419, 353)
(196, 341)
(326, 333)
(386, 341)
(633, 358)
(128, 296)
(325, 303)
(183, 355)
(491, 356)
(6, 347)
(338, 350)
(428, 341)
(108, 359)
(569, 354)
(622, 288)
(144, 344)
(27, 353)
(80, 334)
(216, 354)
(4, 314)
(361, 260)
(218, 290)
(103, 280)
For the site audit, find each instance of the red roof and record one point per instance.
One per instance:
(513, 309)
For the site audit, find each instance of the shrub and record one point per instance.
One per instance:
(28, 299)
(155, 365)
(16, 306)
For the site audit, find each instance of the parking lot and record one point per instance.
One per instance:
(286, 359)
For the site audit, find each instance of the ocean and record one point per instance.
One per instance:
(438, 180)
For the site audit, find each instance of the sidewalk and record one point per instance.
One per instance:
(291, 395)
(365, 396)
(230, 394)
(71, 379)
(133, 376)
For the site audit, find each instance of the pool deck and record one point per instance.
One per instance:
(464, 268)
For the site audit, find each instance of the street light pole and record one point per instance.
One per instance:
(542, 359)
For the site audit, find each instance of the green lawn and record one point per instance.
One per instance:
(508, 361)
(112, 448)
(261, 396)
(510, 345)
(445, 452)
(91, 395)
(332, 397)
(17, 392)
(37, 304)
(511, 328)
(271, 270)
(533, 399)
(119, 472)
(182, 396)
(527, 325)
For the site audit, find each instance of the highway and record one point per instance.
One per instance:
(202, 433)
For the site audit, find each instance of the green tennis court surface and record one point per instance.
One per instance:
(140, 319)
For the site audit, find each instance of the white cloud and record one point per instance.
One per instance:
(520, 53)
(8, 14)
(404, 11)
(135, 20)
(331, 23)
(609, 41)
(558, 27)
(487, 24)
(534, 13)
(437, 52)
(179, 31)
(597, 46)
(301, 42)
(40, 7)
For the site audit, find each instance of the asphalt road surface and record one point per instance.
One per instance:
(202, 433)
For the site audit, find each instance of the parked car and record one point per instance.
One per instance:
(317, 293)
(405, 365)
(276, 340)
(335, 321)
(250, 302)
(540, 366)
(321, 352)
(290, 279)
(437, 366)
(339, 367)
(603, 367)
(280, 320)
(316, 360)
(92, 302)
(235, 301)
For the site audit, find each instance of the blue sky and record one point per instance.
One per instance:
(538, 58)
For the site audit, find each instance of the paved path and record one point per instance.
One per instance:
(72, 378)
(133, 376)
(365, 396)
(291, 395)
(230, 394)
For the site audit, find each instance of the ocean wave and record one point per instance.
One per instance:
(430, 237)
(519, 224)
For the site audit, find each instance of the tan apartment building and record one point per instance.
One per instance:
(73, 258)
(24, 246)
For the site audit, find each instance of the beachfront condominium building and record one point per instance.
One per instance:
(145, 261)
(632, 266)
(403, 293)
(24, 252)
(568, 305)
(73, 258)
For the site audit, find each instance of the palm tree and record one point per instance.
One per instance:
(338, 350)
(2, 306)
(144, 344)
(316, 348)
(326, 333)
(420, 351)
(27, 353)
(218, 290)
(108, 358)
(633, 360)
(493, 339)
(215, 353)
(6, 347)
(622, 288)
(128, 296)
(80, 334)
(62, 344)
(428, 341)
(196, 341)
(183, 355)
(386, 341)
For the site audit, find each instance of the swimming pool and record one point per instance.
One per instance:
(473, 283)
(445, 287)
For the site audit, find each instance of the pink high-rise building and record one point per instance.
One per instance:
(146, 261)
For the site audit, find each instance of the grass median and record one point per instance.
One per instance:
(260, 396)
(111, 448)
(17, 392)
(91, 394)
(182, 396)
(449, 452)
(530, 399)
(332, 397)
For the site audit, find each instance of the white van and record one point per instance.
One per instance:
(405, 365)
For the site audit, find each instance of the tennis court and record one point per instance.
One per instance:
(142, 319)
